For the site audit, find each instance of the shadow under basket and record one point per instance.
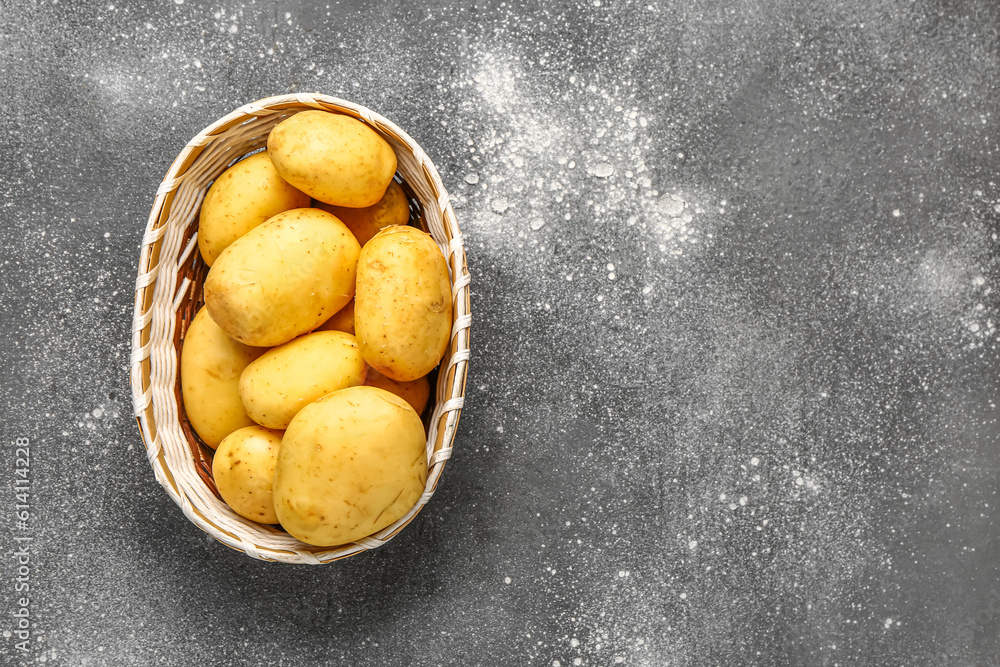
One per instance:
(169, 292)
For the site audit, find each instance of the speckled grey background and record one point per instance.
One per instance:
(734, 378)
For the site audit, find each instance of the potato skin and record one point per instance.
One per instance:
(416, 392)
(350, 464)
(342, 320)
(332, 157)
(402, 310)
(243, 469)
(287, 378)
(211, 364)
(392, 209)
(243, 197)
(283, 278)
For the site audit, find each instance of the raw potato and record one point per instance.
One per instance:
(211, 363)
(243, 469)
(342, 320)
(288, 377)
(392, 209)
(350, 464)
(415, 392)
(402, 311)
(243, 197)
(332, 157)
(283, 278)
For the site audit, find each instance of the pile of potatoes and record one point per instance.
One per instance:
(324, 313)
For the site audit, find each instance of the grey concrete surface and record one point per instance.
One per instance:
(733, 390)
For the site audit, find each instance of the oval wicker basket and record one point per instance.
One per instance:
(168, 293)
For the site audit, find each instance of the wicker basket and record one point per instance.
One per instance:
(169, 292)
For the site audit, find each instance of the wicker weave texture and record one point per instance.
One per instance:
(168, 288)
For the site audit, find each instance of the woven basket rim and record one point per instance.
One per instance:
(158, 265)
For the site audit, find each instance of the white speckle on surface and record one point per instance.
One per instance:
(499, 205)
(601, 170)
(472, 178)
(671, 205)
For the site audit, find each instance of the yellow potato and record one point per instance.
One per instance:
(243, 469)
(415, 392)
(244, 196)
(332, 157)
(350, 464)
(211, 363)
(402, 310)
(342, 320)
(283, 278)
(288, 377)
(392, 209)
